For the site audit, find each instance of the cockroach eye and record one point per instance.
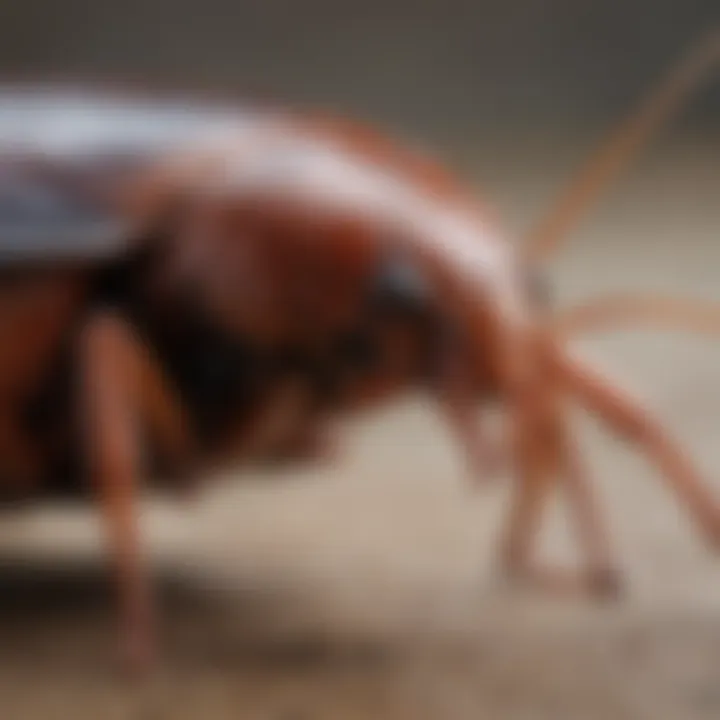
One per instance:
(399, 285)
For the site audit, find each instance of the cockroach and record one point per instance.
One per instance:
(190, 284)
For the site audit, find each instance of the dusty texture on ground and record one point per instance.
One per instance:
(368, 591)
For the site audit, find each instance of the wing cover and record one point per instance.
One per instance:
(58, 145)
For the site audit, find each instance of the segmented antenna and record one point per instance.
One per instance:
(615, 153)
(627, 310)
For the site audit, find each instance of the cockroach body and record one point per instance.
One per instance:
(199, 285)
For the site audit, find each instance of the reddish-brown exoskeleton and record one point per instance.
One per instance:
(254, 264)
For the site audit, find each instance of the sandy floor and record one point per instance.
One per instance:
(368, 591)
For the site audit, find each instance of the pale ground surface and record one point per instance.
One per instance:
(367, 591)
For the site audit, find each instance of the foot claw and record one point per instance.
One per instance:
(602, 584)
(606, 584)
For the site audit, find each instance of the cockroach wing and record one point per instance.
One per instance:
(67, 154)
(45, 218)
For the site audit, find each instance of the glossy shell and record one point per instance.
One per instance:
(65, 152)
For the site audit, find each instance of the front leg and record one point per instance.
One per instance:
(544, 453)
(457, 397)
(484, 457)
(122, 394)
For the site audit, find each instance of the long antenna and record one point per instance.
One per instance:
(626, 310)
(614, 154)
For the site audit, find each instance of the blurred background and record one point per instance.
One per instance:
(367, 589)
(447, 69)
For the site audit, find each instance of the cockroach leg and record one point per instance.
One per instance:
(455, 393)
(602, 578)
(284, 426)
(483, 457)
(535, 461)
(544, 452)
(536, 478)
(633, 423)
(121, 397)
